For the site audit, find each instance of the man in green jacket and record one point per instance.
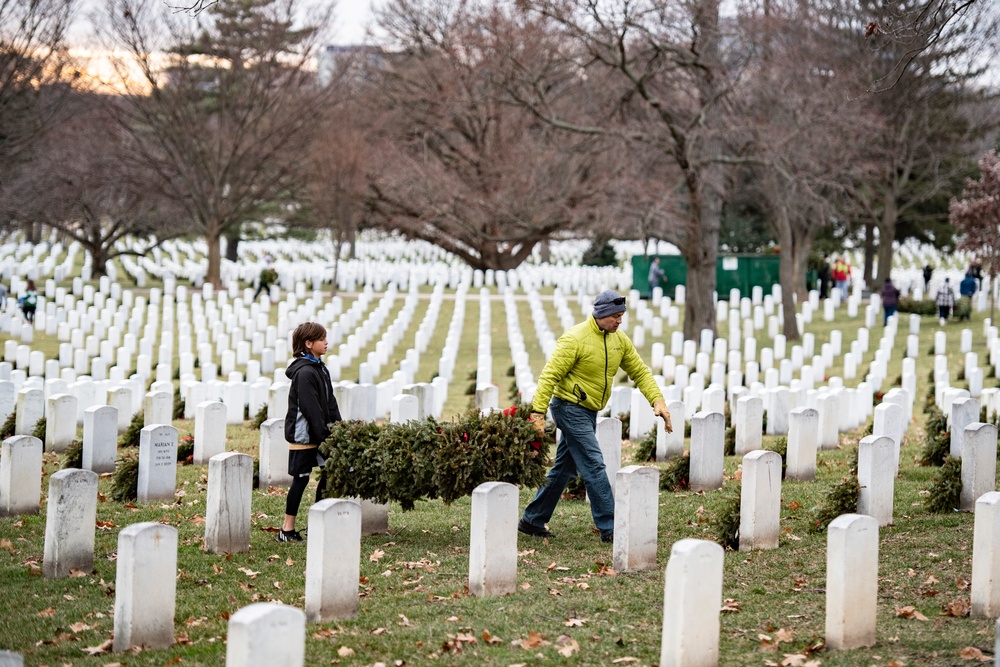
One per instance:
(578, 379)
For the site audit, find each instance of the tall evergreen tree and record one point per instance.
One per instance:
(223, 123)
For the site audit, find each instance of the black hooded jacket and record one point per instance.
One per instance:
(311, 403)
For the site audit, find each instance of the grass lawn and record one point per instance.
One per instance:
(570, 608)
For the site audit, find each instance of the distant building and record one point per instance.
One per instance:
(354, 60)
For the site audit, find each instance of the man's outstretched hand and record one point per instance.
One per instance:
(538, 422)
(660, 410)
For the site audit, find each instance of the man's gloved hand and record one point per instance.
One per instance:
(660, 410)
(538, 422)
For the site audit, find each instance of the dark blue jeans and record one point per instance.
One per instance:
(577, 450)
(889, 312)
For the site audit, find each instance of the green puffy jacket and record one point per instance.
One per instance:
(583, 366)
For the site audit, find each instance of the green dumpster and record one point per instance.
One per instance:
(742, 272)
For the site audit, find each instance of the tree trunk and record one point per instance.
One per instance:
(338, 241)
(886, 237)
(869, 252)
(701, 251)
(787, 274)
(233, 243)
(214, 275)
(544, 251)
(33, 232)
(98, 262)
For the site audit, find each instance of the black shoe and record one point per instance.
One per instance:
(608, 536)
(289, 536)
(533, 530)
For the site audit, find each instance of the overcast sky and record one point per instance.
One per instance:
(351, 19)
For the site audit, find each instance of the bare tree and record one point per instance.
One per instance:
(926, 72)
(35, 76)
(976, 216)
(222, 121)
(913, 28)
(82, 182)
(455, 162)
(806, 128)
(333, 173)
(663, 73)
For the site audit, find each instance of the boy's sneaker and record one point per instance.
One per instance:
(289, 536)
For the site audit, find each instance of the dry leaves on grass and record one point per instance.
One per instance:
(769, 643)
(575, 622)
(730, 605)
(532, 641)
(973, 653)
(345, 652)
(490, 639)
(910, 611)
(567, 646)
(100, 649)
(376, 555)
(957, 608)
(794, 660)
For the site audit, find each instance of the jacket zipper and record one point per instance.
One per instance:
(605, 392)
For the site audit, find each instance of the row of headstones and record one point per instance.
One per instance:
(236, 410)
(147, 556)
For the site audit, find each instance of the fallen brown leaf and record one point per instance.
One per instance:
(730, 604)
(102, 648)
(490, 639)
(345, 652)
(568, 646)
(973, 653)
(958, 608)
(910, 611)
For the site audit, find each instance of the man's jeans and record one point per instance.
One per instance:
(578, 450)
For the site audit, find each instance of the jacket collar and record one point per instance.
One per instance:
(593, 326)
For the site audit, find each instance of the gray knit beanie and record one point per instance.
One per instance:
(608, 302)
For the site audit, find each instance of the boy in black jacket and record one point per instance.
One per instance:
(312, 407)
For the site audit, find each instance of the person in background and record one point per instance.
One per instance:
(268, 276)
(928, 272)
(945, 300)
(312, 407)
(890, 300)
(578, 378)
(3, 297)
(976, 271)
(824, 280)
(966, 289)
(841, 276)
(655, 275)
(29, 301)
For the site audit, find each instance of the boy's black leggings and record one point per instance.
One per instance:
(294, 499)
